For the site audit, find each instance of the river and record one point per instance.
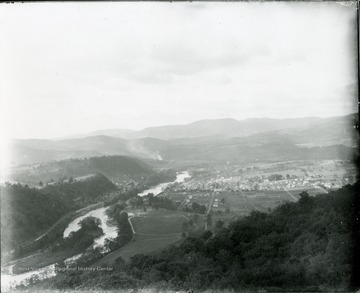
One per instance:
(9, 280)
(109, 231)
(180, 177)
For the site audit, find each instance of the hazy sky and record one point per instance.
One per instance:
(77, 67)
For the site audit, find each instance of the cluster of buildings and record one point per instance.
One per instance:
(239, 183)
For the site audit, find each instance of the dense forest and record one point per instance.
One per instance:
(307, 245)
(240, 150)
(116, 168)
(84, 192)
(28, 212)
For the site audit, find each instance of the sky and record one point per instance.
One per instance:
(71, 68)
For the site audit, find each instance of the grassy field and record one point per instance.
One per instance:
(270, 199)
(311, 191)
(245, 202)
(154, 231)
(141, 244)
(158, 222)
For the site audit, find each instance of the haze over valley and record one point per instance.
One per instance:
(179, 147)
(202, 140)
(182, 179)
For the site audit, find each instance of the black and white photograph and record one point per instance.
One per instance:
(186, 147)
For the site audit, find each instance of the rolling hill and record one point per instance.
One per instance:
(221, 128)
(116, 168)
(30, 151)
(221, 139)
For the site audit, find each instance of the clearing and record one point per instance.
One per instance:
(154, 231)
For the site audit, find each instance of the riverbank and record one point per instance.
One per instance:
(47, 259)
(52, 233)
(158, 189)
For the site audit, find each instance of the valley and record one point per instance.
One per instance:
(142, 196)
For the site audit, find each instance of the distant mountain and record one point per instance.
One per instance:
(23, 154)
(226, 128)
(104, 144)
(222, 128)
(120, 133)
(29, 151)
(202, 140)
(210, 127)
(252, 148)
(312, 138)
(327, 131)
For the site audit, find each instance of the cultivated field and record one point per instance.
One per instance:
(154, 231)
(158, 222)
(245, 202)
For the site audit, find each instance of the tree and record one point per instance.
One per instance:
(227, 209)
(275, 177)
(206, 235)
(185, 226)
(137, 201)
(195, 206)
(120, 261)
(191, 224)
(219, 225)
(196, 217)
(89, 223)
(304, 198)
(209, 220)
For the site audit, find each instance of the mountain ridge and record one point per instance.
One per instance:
(184, 141)
(223, 127)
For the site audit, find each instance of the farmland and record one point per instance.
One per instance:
(159, 222)
(230, 205)
(154, 230)
(241, 202)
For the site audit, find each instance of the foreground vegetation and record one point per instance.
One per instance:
(307, 245)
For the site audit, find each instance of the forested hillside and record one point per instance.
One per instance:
(307, 245)
(28, 212)
(116, 168)
(249, 149)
